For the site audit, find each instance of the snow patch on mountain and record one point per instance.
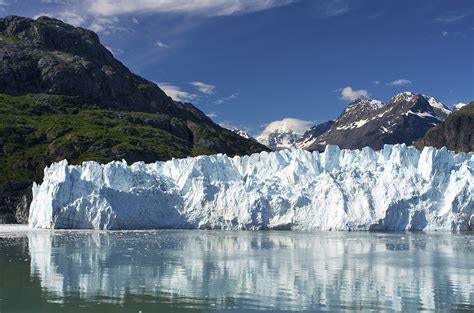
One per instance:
(364, 101)
(397, 188)
(437, 104)
(404, 96)
(442, 110)
(356, 113)
(244, 134)
(458, 106)
(312, 134)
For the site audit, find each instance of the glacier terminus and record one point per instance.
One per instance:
(396, 188)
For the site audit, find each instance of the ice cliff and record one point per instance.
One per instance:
(396, 188)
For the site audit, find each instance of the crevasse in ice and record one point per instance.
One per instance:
(396, 188)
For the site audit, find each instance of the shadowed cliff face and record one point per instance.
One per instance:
(456, 132)
(63, 95)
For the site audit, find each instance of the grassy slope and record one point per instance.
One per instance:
(36, 130)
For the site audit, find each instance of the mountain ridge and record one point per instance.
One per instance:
(366, 122)
(356, 126)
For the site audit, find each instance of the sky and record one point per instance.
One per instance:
(246, 63)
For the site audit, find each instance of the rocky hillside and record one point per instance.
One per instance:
(64, 95)
(366, 122)
(456, 132)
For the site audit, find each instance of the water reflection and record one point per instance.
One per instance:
(259, 270)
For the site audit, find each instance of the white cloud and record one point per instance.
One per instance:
(445, 33)
(350, 94)
(71, 17)
(106, 25)
(64, 2)
(176, 93)
(66, 16)
(212, 114)
(331, 8)
(452, 17)
(195, 7)
(208, 89)
(400, 82)
(376, 82)
(41, 14)
(161, 44)
(225, 99)
(287, 125)
(135, 21)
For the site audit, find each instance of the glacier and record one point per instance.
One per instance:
(396, 188)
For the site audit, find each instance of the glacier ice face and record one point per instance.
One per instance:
(396, 188)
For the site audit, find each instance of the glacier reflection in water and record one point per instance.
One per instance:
(260, 270)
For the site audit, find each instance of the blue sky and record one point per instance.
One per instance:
(246, 63)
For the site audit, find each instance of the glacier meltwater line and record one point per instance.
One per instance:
(396, 188)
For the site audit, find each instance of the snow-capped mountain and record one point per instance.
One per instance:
(366, 122)
(283, 134)
(440, 109)
(397, 188)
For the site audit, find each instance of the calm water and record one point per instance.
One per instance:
(209, 271)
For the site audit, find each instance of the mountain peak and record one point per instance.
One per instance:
(52, 33)
(365, 101)
(47, 56)
(407, 96)
(356, 112)
(441, 110)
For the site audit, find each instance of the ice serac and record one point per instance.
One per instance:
(396, 188)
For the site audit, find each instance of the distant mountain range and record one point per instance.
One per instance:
(406, 118)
